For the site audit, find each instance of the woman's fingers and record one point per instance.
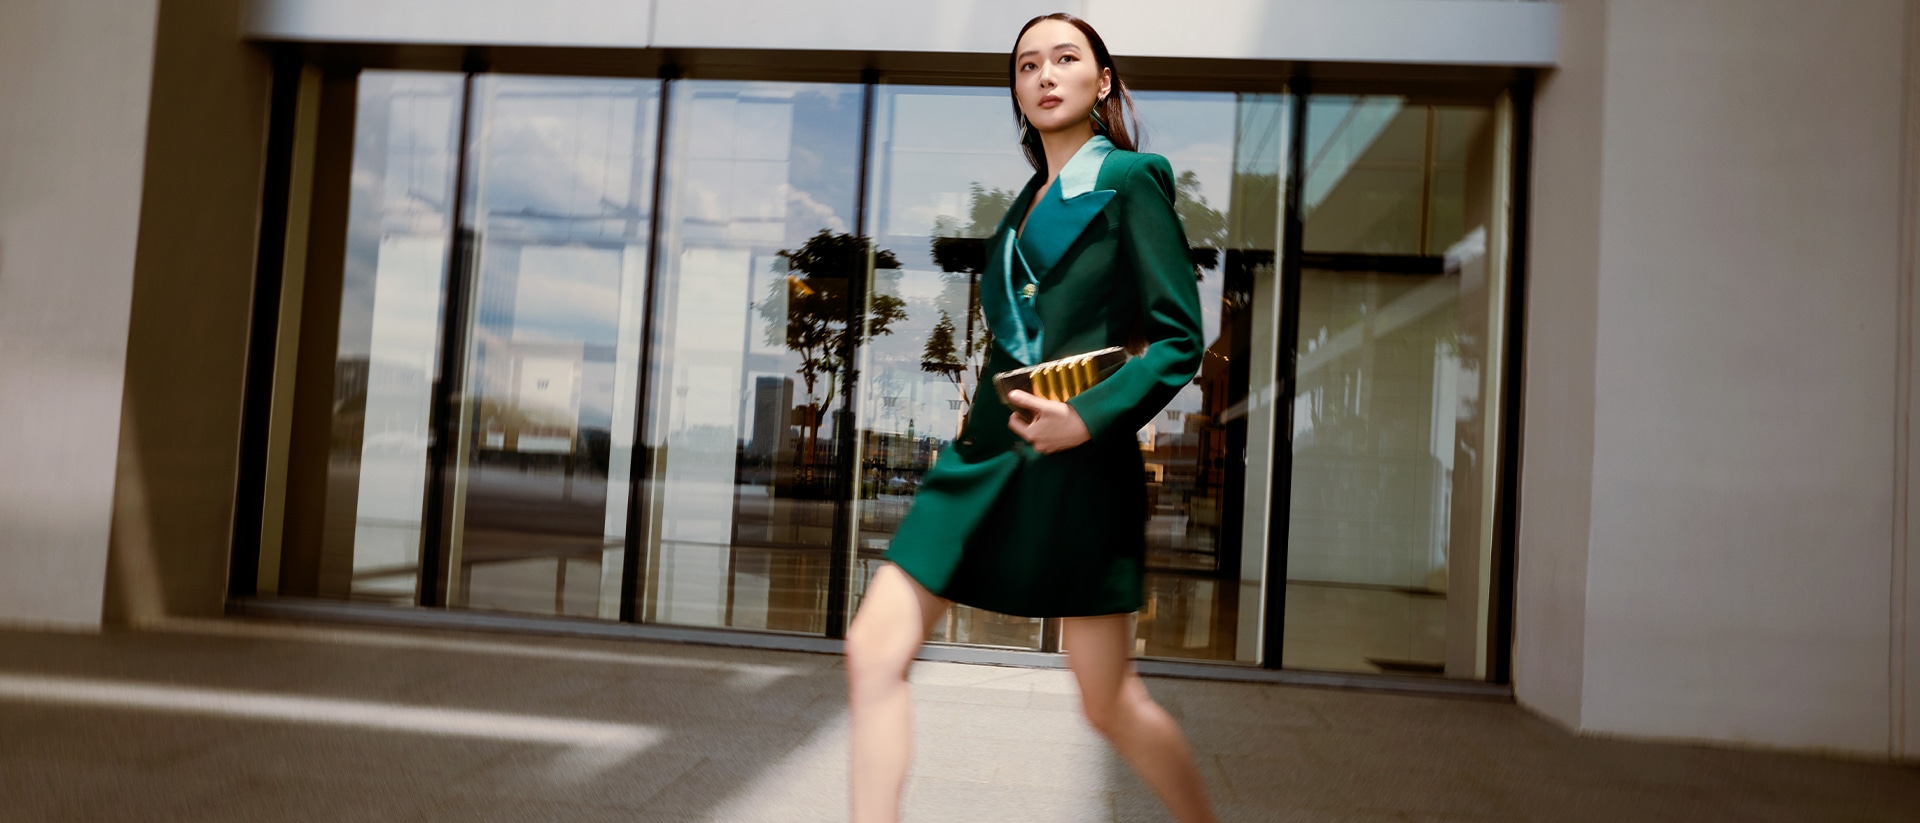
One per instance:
(1026, 402)
(1020, 426)
(1049, 425)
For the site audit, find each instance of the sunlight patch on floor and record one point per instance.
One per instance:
(617, 738)
(741, 674)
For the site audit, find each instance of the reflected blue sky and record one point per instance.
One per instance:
(402, 185)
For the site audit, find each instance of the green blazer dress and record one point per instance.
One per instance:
(1103, 259)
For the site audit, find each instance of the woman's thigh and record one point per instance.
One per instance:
(1099, 651)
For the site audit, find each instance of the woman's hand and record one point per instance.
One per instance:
(1049, 425)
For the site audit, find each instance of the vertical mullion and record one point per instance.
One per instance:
(640, 464)
(1429, 151)
(1236, 270)
(1280, 504)
(847, 458)
(1507, 505)
(435, 528)
(243, 572)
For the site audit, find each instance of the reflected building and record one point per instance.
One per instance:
(773, 415)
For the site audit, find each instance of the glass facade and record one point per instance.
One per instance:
(1205, 584)
(1390, 517)
(946, 166)
(560, 180)
(750, 379)
(680, 351)
(366, 474)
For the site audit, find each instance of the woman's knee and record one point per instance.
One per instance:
(1101, 715)
(1113, 713)
(876, 652)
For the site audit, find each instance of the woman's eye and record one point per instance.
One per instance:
(1067, 58)
(1026, 66)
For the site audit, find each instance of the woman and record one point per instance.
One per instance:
(1043, 513)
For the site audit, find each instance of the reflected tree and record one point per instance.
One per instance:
(808, 313)
(1206, 226)
(942, 358)
(961, 253)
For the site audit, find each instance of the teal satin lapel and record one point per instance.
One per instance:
(1023, 334)
(1014, 323)
(1066, 209)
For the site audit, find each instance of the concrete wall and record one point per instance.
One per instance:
(1745, 158)
(1557, 404)
(1466, 32)
(74, 80)
(192, 296)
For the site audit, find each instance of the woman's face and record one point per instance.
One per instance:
(1056, 77)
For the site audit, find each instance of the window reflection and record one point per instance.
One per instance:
(1385, 176)
(945, 170)
(561, 169)
(749, 382)
(1390, 523)
(768, 277)
(1205, 533)
(367, 541)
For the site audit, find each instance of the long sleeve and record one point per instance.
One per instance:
(1155, 245)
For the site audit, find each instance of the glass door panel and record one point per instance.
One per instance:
(945, 168)
(561, 173)
(748, 385)
(1393, 440)
(1207, 483)
(365, 543)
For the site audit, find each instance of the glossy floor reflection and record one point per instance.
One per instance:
(1187, 616)
(1364, 629)
(1328, 627)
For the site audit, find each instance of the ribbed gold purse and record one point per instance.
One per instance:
(1061, 379)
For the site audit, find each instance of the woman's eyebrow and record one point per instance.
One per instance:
(1023, 55)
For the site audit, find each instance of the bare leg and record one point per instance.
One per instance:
(1121, 710)
(893, 621)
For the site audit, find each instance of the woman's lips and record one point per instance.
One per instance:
(1049, 101)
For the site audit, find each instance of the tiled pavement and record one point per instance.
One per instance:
(242, 721)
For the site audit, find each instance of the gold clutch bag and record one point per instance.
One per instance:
(1061, 379)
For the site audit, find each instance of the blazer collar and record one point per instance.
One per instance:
(1017, 261)
(1066, 208)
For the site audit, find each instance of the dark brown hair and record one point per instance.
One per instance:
(1117, 120)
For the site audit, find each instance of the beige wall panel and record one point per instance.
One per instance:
(1556, 452)
(73, 92)
(1742, 501)
(1906, 566)
(1460, 32)
(192, 294)
(590, 23)
(1465, 32)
